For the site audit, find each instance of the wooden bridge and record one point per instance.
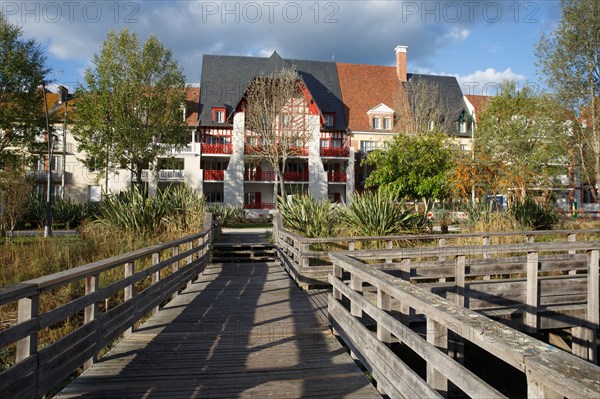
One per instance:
(232, 323)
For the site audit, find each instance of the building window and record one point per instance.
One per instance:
(94, 193)
(387, 123)
(214, 197)
(218, 115)
(329, 120)
(367, 146)
(376, 124)
(463, 127)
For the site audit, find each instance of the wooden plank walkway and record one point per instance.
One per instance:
(240, 330)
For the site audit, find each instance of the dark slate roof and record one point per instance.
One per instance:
(449, 94)
(225, 79)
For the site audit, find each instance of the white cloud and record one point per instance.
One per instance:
(487, 82)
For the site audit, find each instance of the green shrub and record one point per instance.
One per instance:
(309, 216)
(183, 207)
(376, 214)
(68, 213)
(532, 215)
(34, 215)
(227, 214)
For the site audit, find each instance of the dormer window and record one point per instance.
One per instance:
(376, 123)
(387, 123)
(218, 115)
(329, 119)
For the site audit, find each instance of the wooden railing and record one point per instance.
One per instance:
(337, 177)
(309, 267)
(550, 372)
(37, 369)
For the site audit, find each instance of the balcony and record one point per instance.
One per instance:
(263, 205)
(217, 148)
(42, 175)
(341, 152)
(170, 175)
(259, 176)
(214, 175)
(250, 149)
(336, 177)
(296, 176)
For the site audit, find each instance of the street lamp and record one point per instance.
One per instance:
(48, 227)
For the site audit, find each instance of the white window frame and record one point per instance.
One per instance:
(376, 122)
(387, 123)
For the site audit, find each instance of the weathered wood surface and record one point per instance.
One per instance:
(240, 330)
(550, 372)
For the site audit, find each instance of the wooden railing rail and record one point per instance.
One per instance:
(310, 267)
(550, 372)
(37, 370)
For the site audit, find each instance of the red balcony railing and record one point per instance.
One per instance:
(296, 176)
(299, 151)
(293, 151)
(218, 175)
(335, 151)
(263, 205)
(217, 148)
(259, 176)
(336, 177)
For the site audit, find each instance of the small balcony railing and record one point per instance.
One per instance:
(299, 151)
(337, 177)
(259, 176)
(295, 176)
(342, 152)
(42, 175)
(170, 174)
(214, 175)
(263, 205)
(217, 148)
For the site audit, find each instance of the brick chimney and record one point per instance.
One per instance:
(401, 62)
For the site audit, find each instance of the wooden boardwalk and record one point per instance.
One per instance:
(240, 330)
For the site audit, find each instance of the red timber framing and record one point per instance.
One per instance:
(335, 144)
(216, 140)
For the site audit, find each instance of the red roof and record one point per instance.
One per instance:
(479, 102)
(365, 87)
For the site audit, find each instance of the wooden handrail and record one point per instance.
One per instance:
(549, 371)
(38, 370)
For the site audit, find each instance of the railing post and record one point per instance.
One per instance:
(486, 242)
(584, 337)
(337, 273)
(442, 244)
(536, 390)
(28, 308)
(530, 238)
(305, 260)
(357, 285)
(190, 258)
(351, 245)
(155, 275)
(129, 291)
(405, 270)
(89, 313)
(175, 266)
(532, 290)
(572, 237)
(437, 335)
(459, 280)
(384, 302)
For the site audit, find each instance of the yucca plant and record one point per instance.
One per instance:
(375, 214)
(532, 215)
(132, 211)
(309, 216)
(227, 214)
(183, 207)
(67, 212)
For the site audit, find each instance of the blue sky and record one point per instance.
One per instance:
(480, 42)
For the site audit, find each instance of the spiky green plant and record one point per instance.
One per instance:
(67, 212)
(532, 215)
(132, 211)
(376, 214)
(184, 207)
(227, 214)
(309, 216)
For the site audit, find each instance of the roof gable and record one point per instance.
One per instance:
(381, 109)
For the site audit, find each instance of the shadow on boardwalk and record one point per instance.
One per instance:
(240, 330)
